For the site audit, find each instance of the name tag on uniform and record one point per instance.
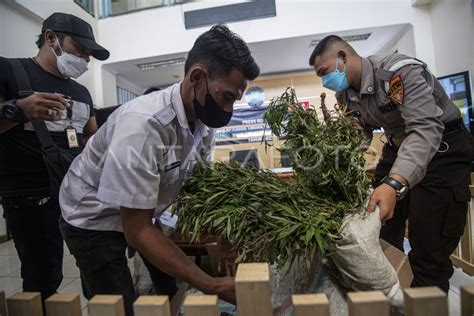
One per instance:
(169, 219)
(173, 165)
(71, 137)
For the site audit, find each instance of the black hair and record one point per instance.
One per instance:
(150, 90)
(325, 44)
(222, 51)
(41, 38)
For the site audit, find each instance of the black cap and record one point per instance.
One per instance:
(78, 29)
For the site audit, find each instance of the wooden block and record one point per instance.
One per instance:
(65, 304)
(25, 304)
(399, 262)
(430, 301)
(472, 178)
(467, 267)
(110, 305)
(471, 188)
(178, 299)
(467, 300)
(456, 252)
(310, 305)
(372, 303)
(466, 239)
(214, 257)
(252, 286)
(201, 305)
(151, 305)
(3, 304)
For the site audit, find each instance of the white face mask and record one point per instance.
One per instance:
(69, 65)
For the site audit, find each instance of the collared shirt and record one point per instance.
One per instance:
(419, 119)
(138, 159)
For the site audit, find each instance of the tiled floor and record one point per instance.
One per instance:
(11, 283)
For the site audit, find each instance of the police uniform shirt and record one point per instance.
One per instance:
(408, 103)
(139, 159)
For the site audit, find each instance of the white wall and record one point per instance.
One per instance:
(161, 31)
(404, 43)
(21, 22)
(453, 36)
(18, 32)
(441, 34)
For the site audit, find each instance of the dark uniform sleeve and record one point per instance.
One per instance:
(422, 125)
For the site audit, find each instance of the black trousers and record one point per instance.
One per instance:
(100, 257)
(39, 243)
(435, 208)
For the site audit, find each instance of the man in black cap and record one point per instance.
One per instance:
(65, 45)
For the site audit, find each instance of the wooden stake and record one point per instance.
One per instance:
(3, 304)
(310, 305)
(429, 301)
(466, 239)
(252, 285)
(150, 305)
(372, 303)
(110, 305)
(201, 305)
(25, 304)
(178, 299)
(65, 304)
(467, 300)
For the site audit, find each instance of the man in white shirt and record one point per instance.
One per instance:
(134, 167)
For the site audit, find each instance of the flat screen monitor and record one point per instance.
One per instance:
(458, 89)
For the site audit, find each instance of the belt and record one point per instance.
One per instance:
(450, 128)
(26, 201)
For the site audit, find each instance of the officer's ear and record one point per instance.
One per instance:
(342, 54)
(197, 75)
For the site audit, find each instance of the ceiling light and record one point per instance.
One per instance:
(162, 63)
(349, 38)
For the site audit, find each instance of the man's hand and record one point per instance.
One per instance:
(43, 106)
(385, 197)
(225, 289)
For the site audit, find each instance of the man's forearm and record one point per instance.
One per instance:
(165, 255)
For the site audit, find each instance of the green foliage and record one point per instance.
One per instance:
(266, 219)
(327, 157)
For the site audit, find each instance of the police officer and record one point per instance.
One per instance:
(425, 164)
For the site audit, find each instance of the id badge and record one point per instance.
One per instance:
(72, 137)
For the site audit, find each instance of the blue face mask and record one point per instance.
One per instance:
(336, 80)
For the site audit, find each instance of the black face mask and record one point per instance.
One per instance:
(211, 114)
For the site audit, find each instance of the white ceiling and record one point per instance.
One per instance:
(277, 56)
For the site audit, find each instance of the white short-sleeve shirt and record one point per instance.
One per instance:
(138, 159)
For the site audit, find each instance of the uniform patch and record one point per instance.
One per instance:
(395, 92)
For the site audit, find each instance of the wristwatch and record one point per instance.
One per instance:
(11, 112)
(400, 188)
